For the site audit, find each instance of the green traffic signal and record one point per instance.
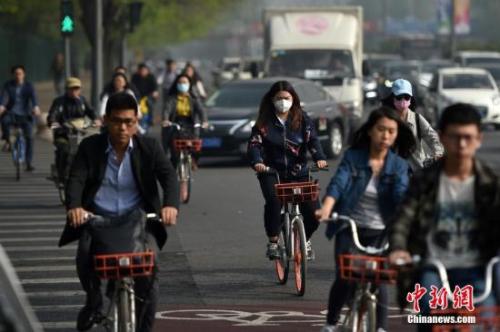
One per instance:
(67, 25)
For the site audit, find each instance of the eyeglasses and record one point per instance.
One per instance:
(129, 122)
(457, 138)
(401, 97)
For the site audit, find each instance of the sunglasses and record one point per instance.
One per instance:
(401, 97)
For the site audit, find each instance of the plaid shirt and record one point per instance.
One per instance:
(417, 214)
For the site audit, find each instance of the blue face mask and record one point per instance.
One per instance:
(183, 87)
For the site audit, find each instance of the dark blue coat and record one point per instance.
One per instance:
(284, 149)
(28, 96)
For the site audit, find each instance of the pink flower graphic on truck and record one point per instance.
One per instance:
(312, 25)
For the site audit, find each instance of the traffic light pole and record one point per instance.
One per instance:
(67, 56)
(98, 56)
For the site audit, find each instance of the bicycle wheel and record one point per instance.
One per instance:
(282, 265)
(125, 322)
(16, 157)
(300, 258)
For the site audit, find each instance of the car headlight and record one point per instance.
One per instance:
(247, 128)
(496, 100)
(372, 85)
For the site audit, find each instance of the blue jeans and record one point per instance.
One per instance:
(26, 125)
(457, 277)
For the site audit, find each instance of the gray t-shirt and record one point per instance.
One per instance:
(367, 213)
(452, 238)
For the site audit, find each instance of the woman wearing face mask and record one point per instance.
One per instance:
(428, 148)
(183, 108)
(369, 183)
(280, 139)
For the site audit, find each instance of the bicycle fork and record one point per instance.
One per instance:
(291, 215)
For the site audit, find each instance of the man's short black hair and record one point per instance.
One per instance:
(169, 61)
(16, 67)
(459, 114)
(142, 65)
(121, 101)
(120, 67)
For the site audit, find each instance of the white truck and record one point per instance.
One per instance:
(323, 44)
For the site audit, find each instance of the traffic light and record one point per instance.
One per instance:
(67, 22)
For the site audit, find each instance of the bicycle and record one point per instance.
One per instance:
(185, 147)
(18, 150)
(77, 129)
(292, 237)
(121, 269)
(367, 271)
(488, 318)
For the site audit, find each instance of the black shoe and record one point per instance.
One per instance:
(87, 317)
(30, 168)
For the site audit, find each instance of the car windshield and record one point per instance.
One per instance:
(312, 64)
(402, 71)
(472, 61)
(494, 71)
(466, 81)
(238, 96)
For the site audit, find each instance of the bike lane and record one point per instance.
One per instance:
(286, 317)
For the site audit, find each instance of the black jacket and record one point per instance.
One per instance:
(65, 108)
(284, 149)
(149, 166)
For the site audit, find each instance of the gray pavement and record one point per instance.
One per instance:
(214, 275)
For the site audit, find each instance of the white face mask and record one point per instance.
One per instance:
(283, 105)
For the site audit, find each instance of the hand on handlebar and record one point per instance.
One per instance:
(260, 168)
(166, 123)
(205, 125)
(2, 109)
(400, 257)
(322, 214)
(78, 216)
(322, 164)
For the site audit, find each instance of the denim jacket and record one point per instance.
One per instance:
(352, 177)
(284, 149)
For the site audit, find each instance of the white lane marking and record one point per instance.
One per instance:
(55, 294)
(28, 239)
(27, 231)
(37, 248)
(45, 268)
(32, 223)
(50, 281)
(59, 325)
(40, 259)
(56, 307)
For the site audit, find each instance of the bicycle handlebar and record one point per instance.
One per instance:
(179, 127)
(443, 275)
(95, 220)
(355, 237)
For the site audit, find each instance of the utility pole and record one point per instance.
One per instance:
(453, 35)
(98, 56)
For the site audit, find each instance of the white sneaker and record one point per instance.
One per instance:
(309, 251)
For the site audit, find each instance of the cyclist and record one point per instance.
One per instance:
(370, 180)
(428, 148)
(181, 107)
(451, 211)
(145, 83)
(19, 105)
(64, 108)
(196, 81)
(115, 175)
(119, 84)
(280, 139)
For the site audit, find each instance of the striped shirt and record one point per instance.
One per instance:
(367, 213)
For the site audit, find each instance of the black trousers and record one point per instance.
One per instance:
(169, 134)
(146, 288)
(342, 289)
(272, 208)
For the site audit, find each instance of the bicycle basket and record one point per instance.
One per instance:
(483, 318)
(188, 144)
(118, 266)
(297, 192)
(365, 269)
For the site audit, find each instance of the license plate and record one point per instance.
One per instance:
(214, 142)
